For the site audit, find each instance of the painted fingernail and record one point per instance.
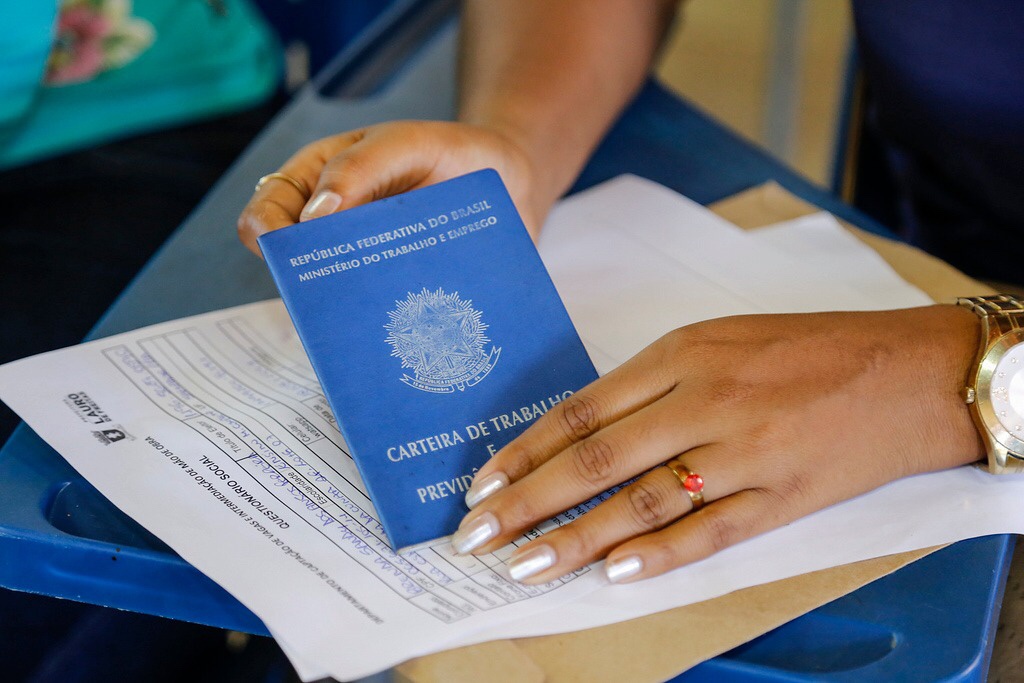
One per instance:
(485, 488)
(623, 568)
(474, 533)
(321, 205)
(533, 561)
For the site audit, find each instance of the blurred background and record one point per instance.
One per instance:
(772, 70)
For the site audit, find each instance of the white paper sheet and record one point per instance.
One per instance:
(232, 458)
(633, 260)
(820, 243)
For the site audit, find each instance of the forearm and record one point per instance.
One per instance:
(541, 81)
(552, 75)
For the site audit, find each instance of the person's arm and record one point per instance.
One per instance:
(540, 83)
(553, 76)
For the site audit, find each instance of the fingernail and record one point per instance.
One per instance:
(484, 488)
(321, 205)
(533, 561)
(623, 568)
(473, 534)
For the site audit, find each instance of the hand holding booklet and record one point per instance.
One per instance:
(214, 431)
(436, 334)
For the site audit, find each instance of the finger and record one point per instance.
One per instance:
(274, 206)
(650, 503)
(635, 384)
(701, 534)
(380, 162)
(278, 203)
(613, 455)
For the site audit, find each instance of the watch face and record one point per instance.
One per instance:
(1007, 391)
(1000, 391)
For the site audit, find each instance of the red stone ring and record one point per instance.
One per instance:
(692, 482)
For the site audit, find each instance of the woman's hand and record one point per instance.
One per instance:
(539, 85)
(781, 415)
(360, 166)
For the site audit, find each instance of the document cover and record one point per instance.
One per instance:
(437, 336)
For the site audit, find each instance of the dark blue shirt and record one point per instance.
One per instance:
(946, 82)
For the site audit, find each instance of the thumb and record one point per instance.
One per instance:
(386, 160)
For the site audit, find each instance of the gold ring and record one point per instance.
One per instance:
(297, 184)
(692, 482)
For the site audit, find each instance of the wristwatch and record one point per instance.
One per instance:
(995, 390)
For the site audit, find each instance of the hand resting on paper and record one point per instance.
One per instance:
(360, 166)
(781, 415)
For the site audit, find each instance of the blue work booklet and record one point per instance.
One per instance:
(437, 336)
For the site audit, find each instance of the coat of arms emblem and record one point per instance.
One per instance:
(440, 337)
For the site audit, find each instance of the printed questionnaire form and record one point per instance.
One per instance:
(259, 405)
(212, 431)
